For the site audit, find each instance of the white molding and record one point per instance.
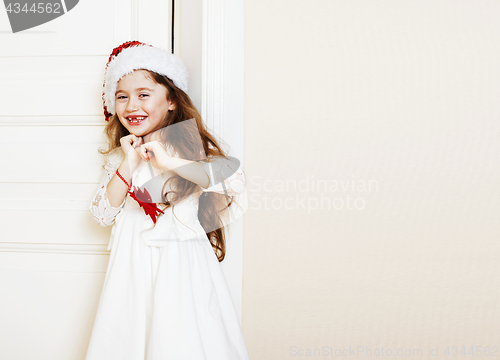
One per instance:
(53, 120)
(44, 205)
(134, 20)
(222, 106)
(15, 78)
(78, 249)
(212, 66)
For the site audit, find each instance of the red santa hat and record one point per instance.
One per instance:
(135, 55)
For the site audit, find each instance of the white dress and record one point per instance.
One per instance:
(165, 296)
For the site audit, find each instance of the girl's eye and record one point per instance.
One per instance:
(143, 95)
(121, 97)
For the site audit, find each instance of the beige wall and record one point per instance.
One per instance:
(400, 99)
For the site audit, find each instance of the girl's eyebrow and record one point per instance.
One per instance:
(138, 89)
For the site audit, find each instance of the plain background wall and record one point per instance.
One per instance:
(399, 95)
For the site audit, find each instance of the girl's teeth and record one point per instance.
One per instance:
(137, 119)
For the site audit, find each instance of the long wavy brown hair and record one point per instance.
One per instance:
(185, 141)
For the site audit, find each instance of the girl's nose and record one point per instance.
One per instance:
(132, 105)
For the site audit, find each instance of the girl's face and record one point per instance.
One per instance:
(141, 104)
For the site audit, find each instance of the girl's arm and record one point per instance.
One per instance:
(217, 175)
(112, 192)
(102, 211)
(160, 159)
(189, 170)
(116, 188)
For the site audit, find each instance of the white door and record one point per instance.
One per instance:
(53, 256)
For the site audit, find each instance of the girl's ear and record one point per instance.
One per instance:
(172, 106)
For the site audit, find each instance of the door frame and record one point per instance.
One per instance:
(223, 76)
(219, 93)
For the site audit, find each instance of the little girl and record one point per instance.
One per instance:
(164, 295)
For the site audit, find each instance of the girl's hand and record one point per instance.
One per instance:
(153, 151)
(129, 144)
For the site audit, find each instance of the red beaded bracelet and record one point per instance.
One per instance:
(121, 177)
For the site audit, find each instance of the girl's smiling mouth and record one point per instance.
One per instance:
(136, 119)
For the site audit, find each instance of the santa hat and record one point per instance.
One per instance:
(135, 55)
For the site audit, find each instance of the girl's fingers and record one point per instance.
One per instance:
(137, 141)
(129, 139)
(144, 152)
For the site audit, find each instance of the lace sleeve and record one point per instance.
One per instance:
(102, 211)
(225, 175)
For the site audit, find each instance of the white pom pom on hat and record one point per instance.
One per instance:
(135, 55)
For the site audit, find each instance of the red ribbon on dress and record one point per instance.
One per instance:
(144, 199)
